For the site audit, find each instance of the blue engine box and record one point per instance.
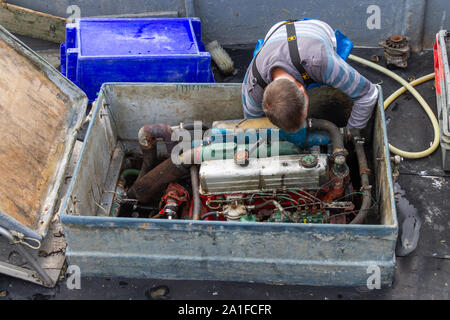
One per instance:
(134, 50)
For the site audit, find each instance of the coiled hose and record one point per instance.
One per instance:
(423, 103)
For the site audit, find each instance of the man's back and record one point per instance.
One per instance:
(317, 49)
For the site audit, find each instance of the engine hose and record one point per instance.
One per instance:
(129, 172)
(212, 213)
(363, 172)
(191, 126)
(423, 103)
(195, 193)
(337, 140)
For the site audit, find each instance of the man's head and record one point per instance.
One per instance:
(285, 103)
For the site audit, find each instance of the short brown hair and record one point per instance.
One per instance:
(284, 104)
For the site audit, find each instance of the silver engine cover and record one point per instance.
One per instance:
(225, 176)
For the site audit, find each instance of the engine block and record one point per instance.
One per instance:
(307, 171)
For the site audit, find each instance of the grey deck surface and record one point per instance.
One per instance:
(424, 274)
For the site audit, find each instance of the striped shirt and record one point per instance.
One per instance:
(317, 48)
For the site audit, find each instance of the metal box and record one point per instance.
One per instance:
(311, 254)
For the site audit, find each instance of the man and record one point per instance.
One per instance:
(294, 55)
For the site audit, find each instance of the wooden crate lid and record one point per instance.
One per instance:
(40, 113)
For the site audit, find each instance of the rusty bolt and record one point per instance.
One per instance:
(375, 58)
(396, 38)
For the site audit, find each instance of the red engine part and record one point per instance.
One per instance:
(337, 186)
(174, 197)
(311, 201)
(176, 193)
(213, 202)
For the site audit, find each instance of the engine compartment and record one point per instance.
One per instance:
(247, 170)
(138, 243)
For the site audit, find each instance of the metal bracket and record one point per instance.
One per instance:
(24, 253)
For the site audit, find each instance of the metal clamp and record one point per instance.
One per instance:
(366, 188)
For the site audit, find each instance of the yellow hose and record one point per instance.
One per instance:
(396, 94)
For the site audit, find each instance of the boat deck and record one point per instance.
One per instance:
(422, 184)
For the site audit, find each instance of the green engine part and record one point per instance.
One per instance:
(119, 195)
(278, 217)
(307, 218)
(218, 151)
(248, 218)
(303, 217)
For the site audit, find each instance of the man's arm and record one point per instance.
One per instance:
(344, 77)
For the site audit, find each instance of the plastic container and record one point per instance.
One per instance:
(442, 74)
(134, 50)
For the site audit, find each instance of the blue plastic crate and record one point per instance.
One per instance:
(134, 50)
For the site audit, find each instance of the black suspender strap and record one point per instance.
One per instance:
(293, 52)
(259, 80)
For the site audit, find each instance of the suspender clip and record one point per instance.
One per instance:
(305, 76)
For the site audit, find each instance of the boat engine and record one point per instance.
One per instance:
(251, 171)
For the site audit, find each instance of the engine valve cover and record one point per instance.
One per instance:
(225, 176)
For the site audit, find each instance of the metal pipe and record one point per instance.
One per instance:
(189, 6)
(195, 193)
(364, 174)
(189, 157)
(150, 133)
(148, 136)
(192, 126)
(212, 213)
(148, 187)
(149, 155)
(22, 251)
